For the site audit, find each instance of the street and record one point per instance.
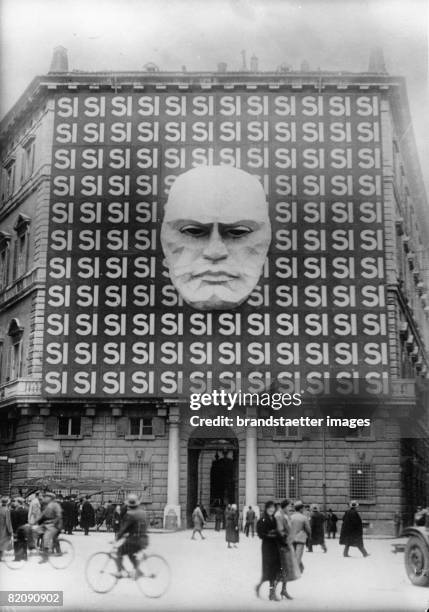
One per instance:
(208, 576)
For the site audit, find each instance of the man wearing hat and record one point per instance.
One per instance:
(19, 519)
(352, 530)
(134, 529)
(300, 531)
(51, 522)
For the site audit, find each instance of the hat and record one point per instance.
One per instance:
(354, 504)
(315, 507)
(132, 501)
(298, 505)
(4, 500)
(49, 494)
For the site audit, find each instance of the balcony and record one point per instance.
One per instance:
(26, 389)
(21, 285)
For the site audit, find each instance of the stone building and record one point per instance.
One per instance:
(61, 416)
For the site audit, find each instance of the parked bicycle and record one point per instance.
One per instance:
(152, 573)
(60, 557)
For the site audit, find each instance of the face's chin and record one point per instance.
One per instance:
(215, 296)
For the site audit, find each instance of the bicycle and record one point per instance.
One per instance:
(60, 557)
(152, 575)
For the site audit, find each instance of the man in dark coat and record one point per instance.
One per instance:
(331, 523)
(87, 515)
(250, 522)
(352, 530)
(134, 529)
(69, 514)
(19, 520)
(317, 524)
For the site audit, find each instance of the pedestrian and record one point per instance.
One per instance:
(288, 562)
(231, 526)
(218, 512)
(19, 520)
(6, 531)
(266, 528)
(69, 514)
(198, 522)
(317, 524)
(250, 522)
(109, 515)
(100, 515)
(397, 521)
(300, 531)
(331, 524)
(307, 513)
(87, 515)
(351, 533)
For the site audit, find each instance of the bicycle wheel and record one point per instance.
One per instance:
(100, 572)
(8, 557)
(154, 575)
(63, 555)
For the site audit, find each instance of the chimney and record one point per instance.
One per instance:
(376, 61)
(254, 63)
(60, 62)
(221, 67)
(305, 66)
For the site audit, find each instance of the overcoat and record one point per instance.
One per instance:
(351, 533)
(266, 529)
(87, 515)
(231, 526)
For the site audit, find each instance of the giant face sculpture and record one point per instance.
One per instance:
(215, 236)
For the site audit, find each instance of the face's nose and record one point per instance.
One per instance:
(216, 249)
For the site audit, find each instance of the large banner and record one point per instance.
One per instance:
(316, 322)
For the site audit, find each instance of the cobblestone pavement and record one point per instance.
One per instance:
(208, 576)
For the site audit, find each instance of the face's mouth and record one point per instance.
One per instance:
(215, 276)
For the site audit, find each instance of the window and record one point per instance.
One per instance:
(69, 426)
(64, 469)
(141, 472)
(359, 432)
(7, 430)
(4, 258)
(9, 179)
(28, 159)
(286, 481)
(14, 367)
(141, 426)
(362, 481)
(286, 432)
(22, 243)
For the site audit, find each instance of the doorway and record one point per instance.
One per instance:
(212, 470)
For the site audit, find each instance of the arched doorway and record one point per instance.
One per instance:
(212, 469)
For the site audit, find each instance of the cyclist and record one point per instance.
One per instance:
(51, 523)
(134, 528)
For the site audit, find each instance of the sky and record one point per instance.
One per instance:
(126, 34)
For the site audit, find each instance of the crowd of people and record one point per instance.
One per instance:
(286, 529)
(42, 515)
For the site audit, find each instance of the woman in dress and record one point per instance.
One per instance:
(231, 526)
(266, 529)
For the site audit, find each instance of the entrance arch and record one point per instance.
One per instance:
(212, 469)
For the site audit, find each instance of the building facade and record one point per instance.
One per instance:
(98, 354)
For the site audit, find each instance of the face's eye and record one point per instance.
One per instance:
(195, 231)
(238, 231)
